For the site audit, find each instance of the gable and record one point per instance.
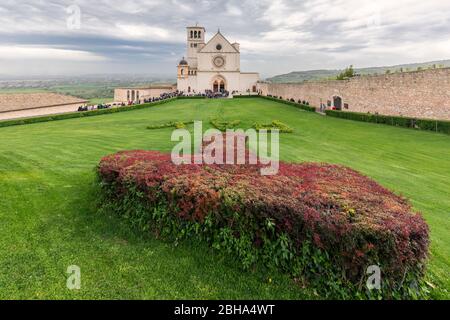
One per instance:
(218, 38)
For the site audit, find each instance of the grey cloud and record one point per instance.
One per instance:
(304, 34)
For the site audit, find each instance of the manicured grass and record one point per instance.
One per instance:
(100, 101)
(49, 218)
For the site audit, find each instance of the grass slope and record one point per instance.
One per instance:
(48, 217)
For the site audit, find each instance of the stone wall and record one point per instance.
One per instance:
(420, 94)
(134, 94)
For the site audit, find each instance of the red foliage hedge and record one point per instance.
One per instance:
(351, 217)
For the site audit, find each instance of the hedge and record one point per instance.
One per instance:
(322, 224)
(291, 103)
(406, 122)
(244, 96)
(191, 97)
(80, 114)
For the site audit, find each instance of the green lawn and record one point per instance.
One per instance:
(100, 101)
(48, 216)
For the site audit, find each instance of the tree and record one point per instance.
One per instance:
(346, 74)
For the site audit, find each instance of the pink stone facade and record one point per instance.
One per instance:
(421, 94)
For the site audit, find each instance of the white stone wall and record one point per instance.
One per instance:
(121, 94)
(248, 80)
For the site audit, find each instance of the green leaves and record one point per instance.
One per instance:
(275, 124)
(172, 124)
(223, 125)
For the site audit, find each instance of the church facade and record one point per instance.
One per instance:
(212, 66)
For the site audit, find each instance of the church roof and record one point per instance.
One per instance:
(24, 101)
(183, 62)
(228, 45)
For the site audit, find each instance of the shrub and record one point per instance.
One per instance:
(172, 124)
(275, 124)
(322, 224)
(346, 74)
(223, 125)
(406, 122)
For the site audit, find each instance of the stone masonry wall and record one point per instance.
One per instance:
(420, 94)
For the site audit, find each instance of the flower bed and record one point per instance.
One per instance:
(323, 224)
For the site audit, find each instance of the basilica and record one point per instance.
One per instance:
(212, 66)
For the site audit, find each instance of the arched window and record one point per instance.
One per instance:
(137, 95)
(199, 34)
(195, 34)
(133, 95)
(189, 89)
(182, 71)
(192, 34)
(128, 95)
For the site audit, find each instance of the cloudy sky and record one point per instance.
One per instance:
(148, 36)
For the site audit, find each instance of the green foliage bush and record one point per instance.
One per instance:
(346, 74)
(223, 125)
(171, 124)
(406, 122)
(275, 124)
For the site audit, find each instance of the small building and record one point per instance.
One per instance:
(139, 94)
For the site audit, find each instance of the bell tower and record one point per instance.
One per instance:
(183, 69)
(195, 40)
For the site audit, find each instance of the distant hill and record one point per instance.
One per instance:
(300, 76)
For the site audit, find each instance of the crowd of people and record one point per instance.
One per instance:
(99, 106)
(164, 96)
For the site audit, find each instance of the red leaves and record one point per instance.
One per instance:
(339, 210)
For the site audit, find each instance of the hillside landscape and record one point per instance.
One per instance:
(311, 75)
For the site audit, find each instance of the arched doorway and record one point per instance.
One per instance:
(219, 84)
(337, 103)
